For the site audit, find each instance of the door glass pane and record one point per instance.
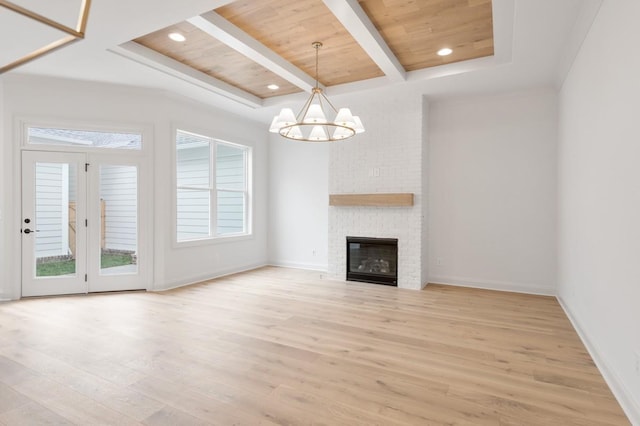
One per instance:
(55, 219)
(118, 220)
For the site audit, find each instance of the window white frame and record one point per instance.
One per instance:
(214, 236)
(24, 123)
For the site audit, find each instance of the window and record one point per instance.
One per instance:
(84, 138)
(212, 188)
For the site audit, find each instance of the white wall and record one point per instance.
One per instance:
(87, 102)
(424, 220)
(5, 293)
(492, 196)
(599, 197)
(298, 203)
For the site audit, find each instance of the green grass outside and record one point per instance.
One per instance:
(111, 260)
(67, 267)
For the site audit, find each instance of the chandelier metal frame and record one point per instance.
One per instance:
(72, 34)
(310, 124)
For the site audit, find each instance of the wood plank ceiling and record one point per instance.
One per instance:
(414, 30)
(290, 27)
(214, 58)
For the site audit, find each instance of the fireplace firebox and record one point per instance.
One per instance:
(372, 260)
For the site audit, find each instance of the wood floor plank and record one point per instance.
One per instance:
(171, 416)
(102, 391)
(285, 346)
(10, 399)
(32, 414)
(196, 403)
(69, 404)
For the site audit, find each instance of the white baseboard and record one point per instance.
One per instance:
(514, 287)
(297, 265)
(630, 406)
(206, 277)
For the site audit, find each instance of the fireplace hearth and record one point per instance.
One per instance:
(372, 260)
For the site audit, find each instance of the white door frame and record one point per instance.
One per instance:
(98, 281)
(64, 284)
(88, 245)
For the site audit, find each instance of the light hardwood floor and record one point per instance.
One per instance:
(283, 346)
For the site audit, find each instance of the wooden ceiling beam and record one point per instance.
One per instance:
(223, 30)
(356, 21)
(157, 61)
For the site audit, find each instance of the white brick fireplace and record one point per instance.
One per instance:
(390, 157)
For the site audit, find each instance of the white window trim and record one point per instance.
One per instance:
(248, 191)
(24, 123)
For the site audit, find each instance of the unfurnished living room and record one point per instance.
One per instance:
(320, 212)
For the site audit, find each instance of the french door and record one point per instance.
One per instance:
(80, 224)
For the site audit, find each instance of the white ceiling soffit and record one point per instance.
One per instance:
(151, 58)
(357, 23)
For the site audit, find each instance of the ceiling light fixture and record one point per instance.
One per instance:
(311, 124)
(177, 37)
(273, 87)
(445, 51)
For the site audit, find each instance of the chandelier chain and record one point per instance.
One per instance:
(317, 45)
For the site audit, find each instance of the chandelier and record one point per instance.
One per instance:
(67, 34)
(311, 124)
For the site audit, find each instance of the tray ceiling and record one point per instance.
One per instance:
(250, 44)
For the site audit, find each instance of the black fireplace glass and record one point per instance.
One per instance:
(372, 260)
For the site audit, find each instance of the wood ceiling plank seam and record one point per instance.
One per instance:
(224, 31)
(356, 21)
(149, 57)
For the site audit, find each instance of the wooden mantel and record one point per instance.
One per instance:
(372, 200)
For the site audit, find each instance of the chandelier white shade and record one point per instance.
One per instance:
(312, 124)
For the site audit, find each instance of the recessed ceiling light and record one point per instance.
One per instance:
(177, 37)
(445, 51)
(273, 87)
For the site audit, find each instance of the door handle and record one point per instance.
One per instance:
(28, 231)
